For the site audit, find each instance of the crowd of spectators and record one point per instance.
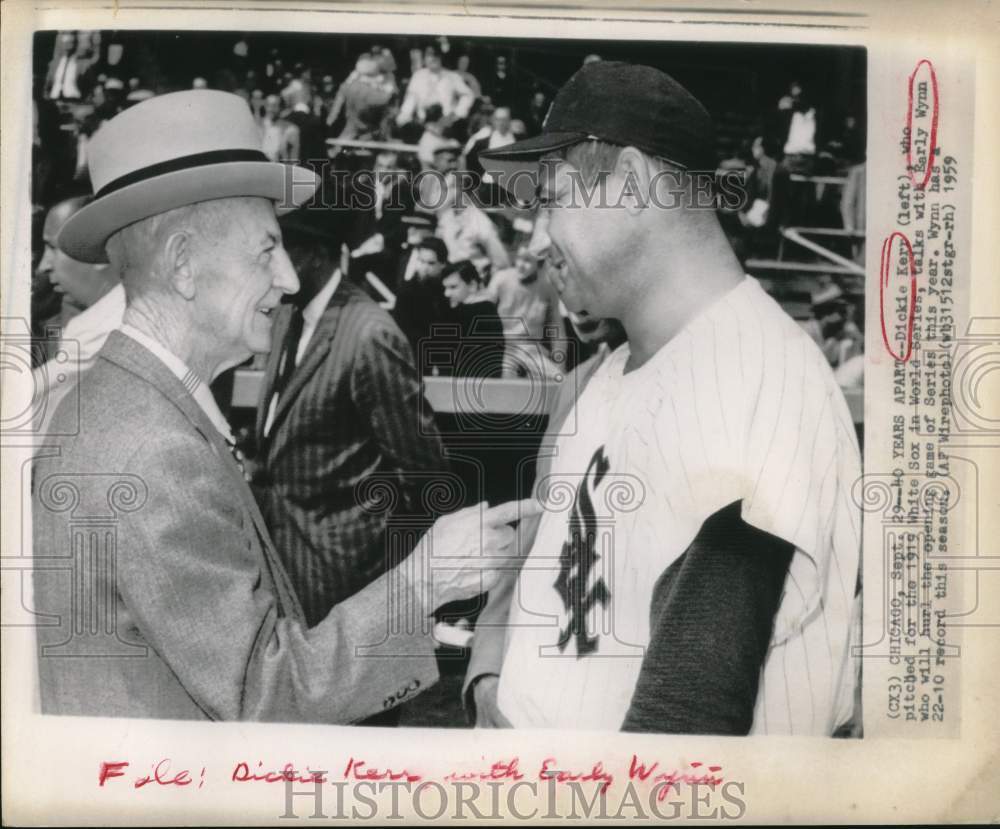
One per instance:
(463, 276)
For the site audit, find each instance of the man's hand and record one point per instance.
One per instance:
(451, 554)
(488, 714)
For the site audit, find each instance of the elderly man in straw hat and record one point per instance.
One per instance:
(165, 595)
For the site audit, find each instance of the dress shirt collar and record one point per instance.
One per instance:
(189, 379)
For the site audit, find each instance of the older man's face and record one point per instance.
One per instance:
(243, 273)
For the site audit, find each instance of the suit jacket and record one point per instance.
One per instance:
(153, 563)
(351, 429)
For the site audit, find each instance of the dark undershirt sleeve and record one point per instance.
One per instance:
(711, 619)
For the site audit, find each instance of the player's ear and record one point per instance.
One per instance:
(634, 175)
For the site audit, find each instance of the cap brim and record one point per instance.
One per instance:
(516, 167)
(86, 232)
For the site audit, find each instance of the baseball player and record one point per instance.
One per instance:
(696, 568)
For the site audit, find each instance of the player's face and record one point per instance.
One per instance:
(581, 243)
(242, 274)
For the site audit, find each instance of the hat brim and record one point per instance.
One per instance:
(516, 167)
(86, 232)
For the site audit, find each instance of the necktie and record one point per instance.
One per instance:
(289, 350)
(286, 364)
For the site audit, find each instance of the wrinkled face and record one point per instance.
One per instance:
(241, 273)
(428, 265)
(457, 290)
(585, 241)
(81, 283)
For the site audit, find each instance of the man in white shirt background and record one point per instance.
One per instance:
(93, 305)
(434, 84)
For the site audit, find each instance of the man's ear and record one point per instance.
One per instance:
(178, 263)
(633, 172)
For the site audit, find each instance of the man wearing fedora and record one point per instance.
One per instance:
(703, 577)
(160, 590)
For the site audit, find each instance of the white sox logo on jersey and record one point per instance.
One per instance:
(576, 561)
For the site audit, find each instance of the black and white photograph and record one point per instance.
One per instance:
(327, 349)
(522, 400)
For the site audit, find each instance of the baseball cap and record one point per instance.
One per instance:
(621, 103)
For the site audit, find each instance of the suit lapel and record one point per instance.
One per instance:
(316, 351)
(271, 372)
(137, 359)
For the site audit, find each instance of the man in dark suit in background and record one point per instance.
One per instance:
(340, 420)
(379, 203)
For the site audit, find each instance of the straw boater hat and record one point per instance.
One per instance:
(171, 151)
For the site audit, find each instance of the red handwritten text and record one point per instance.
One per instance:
(927, 139)
(356, 770)
(551, 770)
(910, 312)
(242, 774)
(672, 779)
(500, 770)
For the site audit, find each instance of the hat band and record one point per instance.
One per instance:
(184, 162)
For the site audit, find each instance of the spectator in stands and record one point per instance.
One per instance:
(433, 192)
(366, 98)
(757, 216)
(537, 110)
(527, 305)
(199, 83)
(462, 67)
(499, 85)
(377, 232)
(420, 300)
(800, 136)
(69, 75)
(481, 115)
(272, 128)
(433, 137)
(93, 305)
(466, 229)
(839, 336)
(433, 84)
(305, 142)
(418, 228)
(256, 103)
(498, 134)
(472, 329)
(323, 100)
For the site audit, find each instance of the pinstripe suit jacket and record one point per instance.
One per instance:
(350, 428)
(158, 589)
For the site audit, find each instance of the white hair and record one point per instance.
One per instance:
(134, 251)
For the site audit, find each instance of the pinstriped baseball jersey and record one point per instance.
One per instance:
(739, 406)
